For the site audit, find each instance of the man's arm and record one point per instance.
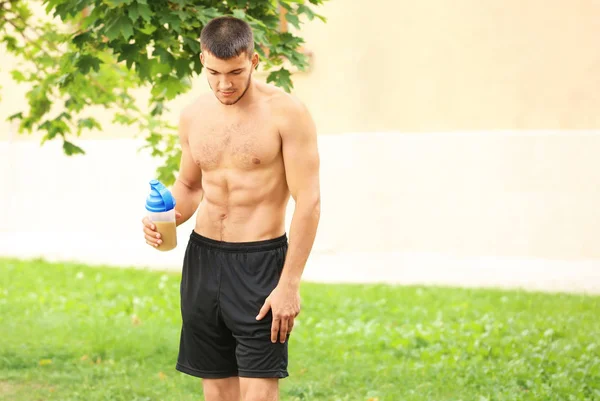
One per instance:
(301, 161)
(187, 189)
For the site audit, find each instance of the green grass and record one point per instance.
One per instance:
(74, 332)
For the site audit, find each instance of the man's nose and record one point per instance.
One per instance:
(225, 83)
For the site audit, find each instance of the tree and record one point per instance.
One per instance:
(95, 52)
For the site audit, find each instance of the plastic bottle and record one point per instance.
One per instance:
(160, 205)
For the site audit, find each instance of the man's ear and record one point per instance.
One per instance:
(255, 60)
(202, 58)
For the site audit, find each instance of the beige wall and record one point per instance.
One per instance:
(455, 65)
(434, 65)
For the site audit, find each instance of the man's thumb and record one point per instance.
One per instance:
(263, 311)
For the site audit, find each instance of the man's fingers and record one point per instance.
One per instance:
(275, 330)
(148, 223)
(152, 240)
(265, 308)
(151, 233)
(152, 237)
(290, 325)
(283, 330)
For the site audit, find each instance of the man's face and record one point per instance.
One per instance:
(229, 79)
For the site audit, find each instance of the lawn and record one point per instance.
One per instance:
(76, 332)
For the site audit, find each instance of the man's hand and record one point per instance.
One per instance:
(284, 302)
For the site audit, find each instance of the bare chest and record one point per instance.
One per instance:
(242, 144)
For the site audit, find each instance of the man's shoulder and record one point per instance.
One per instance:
(285, 105)
(290, 114)
(189, 112)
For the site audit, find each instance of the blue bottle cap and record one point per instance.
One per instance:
(160, 198)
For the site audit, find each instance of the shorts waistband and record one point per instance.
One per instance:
(252, 246)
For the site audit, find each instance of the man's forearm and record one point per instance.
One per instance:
(187, 200)
(303, 231)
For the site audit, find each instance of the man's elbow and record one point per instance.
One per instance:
(311, 205)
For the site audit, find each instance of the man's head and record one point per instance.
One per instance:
(228, 57)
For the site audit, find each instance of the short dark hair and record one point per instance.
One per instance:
(227, 37)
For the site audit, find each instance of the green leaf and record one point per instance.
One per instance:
(239, 14)
(145, 11)
(67, 10)
(158, 109)
(275, 40)
(18, 76)
(182, 66)
(16, 116)
(148, 29)
(10, 42)
(27, 124)
(302, 9)
(281, 78)
(148, 69)
(87, 62)
(205, 14)
(64, 115)
(126, 28)
(51, 4)
(113, 28)
(182, 15)
(71, 149)
(123, 119)
(197, 65)
(164, 56)
(193, 44)
(293, 19)
(286, 6)
(38, 101)
(121, 25)
(81, 39)
(54, 128)
(116, 3)
(168, 87)
(75, 103)
(128, 53)
(172, 20)
(89, 123)
(133, 13)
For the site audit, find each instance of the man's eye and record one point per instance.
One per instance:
(237, 73)
(213, 73)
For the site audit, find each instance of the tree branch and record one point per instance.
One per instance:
(132, 110)
(28, 39)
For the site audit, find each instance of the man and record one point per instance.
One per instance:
(245, 148)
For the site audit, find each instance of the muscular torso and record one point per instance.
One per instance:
(243, 175)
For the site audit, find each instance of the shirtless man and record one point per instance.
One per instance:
(245, 148)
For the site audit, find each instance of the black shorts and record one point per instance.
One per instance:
(223, 287)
